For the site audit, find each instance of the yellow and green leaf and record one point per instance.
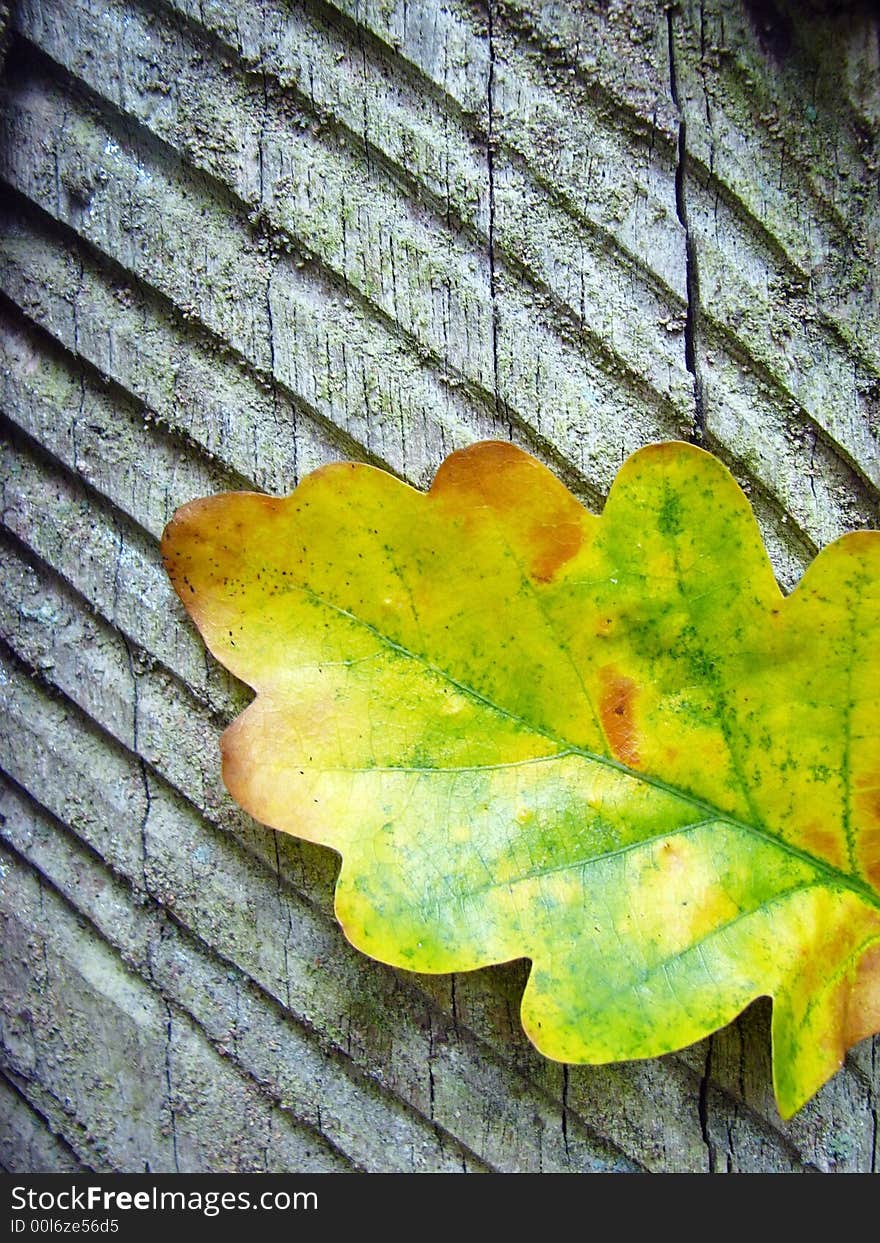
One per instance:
(606, 744)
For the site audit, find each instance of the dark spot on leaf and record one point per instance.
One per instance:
(616, 709)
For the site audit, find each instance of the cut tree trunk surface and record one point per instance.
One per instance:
(242, 238)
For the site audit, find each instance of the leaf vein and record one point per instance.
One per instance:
(833, 875)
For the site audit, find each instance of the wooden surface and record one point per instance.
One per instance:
(242, 238)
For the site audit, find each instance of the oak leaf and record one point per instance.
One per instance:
(609, 745)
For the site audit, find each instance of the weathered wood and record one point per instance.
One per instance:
(243, 239)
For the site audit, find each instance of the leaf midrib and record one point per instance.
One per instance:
(836, 877)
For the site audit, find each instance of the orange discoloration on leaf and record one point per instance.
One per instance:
(527, 501)
(863, 1011)
(554, 546)
(867, 812)
(824, 842)
(617, 710)
(605, 744)
(851, 1004)
(868, 802)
